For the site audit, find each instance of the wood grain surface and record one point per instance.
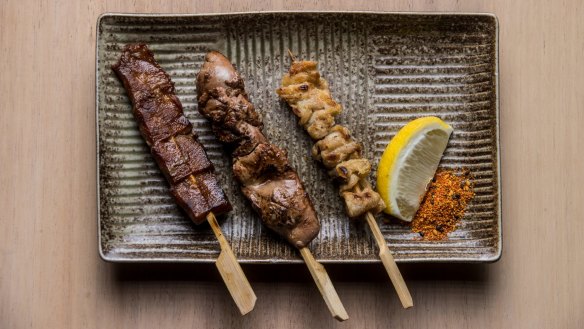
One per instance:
(50, 272)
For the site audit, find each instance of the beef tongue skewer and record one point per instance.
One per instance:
(180, 156)
(267, 180)
(309, 97)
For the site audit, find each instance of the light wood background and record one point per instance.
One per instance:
(50, 272)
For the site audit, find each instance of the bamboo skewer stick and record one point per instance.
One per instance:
(389, 264)
(325, 286)
(231, 271)
(291, 54)
(388, 261)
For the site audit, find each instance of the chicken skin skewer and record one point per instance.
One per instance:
(309, 98)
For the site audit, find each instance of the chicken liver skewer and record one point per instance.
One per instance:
(262, 169)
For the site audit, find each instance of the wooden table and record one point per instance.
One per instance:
(52, 277)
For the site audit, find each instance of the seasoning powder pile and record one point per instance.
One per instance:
(443, 205)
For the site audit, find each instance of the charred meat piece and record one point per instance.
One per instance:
(176, 150)
(200, 194)
(337, 146)
(213, 193)
(157, 109)
(350, 172)
(223, 100)
(282, 204)
(267, 180)
(361, 201)
(189, 197)
(161, 118)
(180, 156)
(309, 97)
(264, 161)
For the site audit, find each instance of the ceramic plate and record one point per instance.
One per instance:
(384, 68)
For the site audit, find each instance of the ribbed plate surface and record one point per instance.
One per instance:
(385, 69)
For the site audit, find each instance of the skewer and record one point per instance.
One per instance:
(292, 202)
(384, 252)
(229, 268)
(388, 261)
(325, 286)
(291, 54)
(389, 264)
(132, 63)
(231, 271)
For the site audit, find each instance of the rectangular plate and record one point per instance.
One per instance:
(384, 68)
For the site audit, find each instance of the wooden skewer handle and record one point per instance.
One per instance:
(325, 286)
(389, 264)
(231, 272)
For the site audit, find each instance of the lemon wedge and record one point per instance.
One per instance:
(408, 164)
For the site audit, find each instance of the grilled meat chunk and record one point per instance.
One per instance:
(360, 202)
(161, 118)
(309, 97)
(264, 161)
(284, 207)
(225, 102)
(213, 193)
(176, 150)
(336, 147)
(350, 172)
(180, 156)
(267, 180)
(189, 197)
(157, 109)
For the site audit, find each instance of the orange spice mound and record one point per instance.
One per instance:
(443, 205)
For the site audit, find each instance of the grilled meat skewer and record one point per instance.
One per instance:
(267, 180)
(309, 98)
(262, 169)
(173, 144)
(180, 156)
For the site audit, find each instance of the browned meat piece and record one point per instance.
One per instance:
(160, 118)
(165, 128)
(189, 197)
(268, 182)
(321, 122)
(284, 207)
(223, 100)
(359, 202)
(213, 193)
(350, 172)
(249, 137)
(200, 194)
(141, 75)
(171, 161)
(194, 153)
(264, 160)
(336, 147)
(180, 156)
(157, 109)
(309, 97)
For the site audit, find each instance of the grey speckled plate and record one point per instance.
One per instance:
(385, 68)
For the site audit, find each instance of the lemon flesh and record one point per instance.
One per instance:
(408, 164)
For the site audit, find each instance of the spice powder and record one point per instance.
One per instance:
(443, 205)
